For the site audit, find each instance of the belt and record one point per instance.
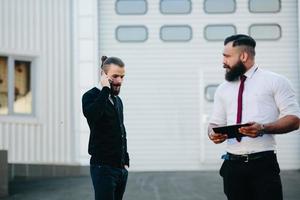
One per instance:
(247, 157)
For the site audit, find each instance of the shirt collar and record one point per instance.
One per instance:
(99, 86)
(251, 71)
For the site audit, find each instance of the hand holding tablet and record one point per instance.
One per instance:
(232, 131)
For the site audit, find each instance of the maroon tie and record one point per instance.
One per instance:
(240, 103)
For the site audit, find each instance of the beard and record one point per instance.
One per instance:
(233, 73)
(115, 89)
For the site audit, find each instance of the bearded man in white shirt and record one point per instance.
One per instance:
(265, 101)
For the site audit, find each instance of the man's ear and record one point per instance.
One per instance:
(244, 56)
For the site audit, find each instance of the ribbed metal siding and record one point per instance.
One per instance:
(42, 30)
(23, 142)
(280, 56)
(165, 110)
(85, 68)
(160, 91)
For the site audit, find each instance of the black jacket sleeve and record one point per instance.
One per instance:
(93, 104)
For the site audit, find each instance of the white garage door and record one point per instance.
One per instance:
(173, 56)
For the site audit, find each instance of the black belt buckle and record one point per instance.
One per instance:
(246, 156)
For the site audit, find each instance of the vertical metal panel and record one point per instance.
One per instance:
(298, 85)
(86, 66)
(165, 110)
(42, 30)
(19, 139)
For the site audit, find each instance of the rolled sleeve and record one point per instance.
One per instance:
(285, 98)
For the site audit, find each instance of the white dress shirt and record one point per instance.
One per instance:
(267, 97)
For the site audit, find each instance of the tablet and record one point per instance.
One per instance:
(232, 130)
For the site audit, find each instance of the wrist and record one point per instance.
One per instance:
(106, 85)
(262, 130)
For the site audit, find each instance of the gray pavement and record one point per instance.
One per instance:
(195, 185)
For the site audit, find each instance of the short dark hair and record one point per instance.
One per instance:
(242, 40)
(111, 60)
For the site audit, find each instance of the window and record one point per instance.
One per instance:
(218, 32)
(175, 6)
(219, 6)
(265, 31)
(209, 92)
(131, 33)
(15, 86)
(131, 7)
(268, 6)
(3, 86)
(179, 33)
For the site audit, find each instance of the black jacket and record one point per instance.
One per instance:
(107, 142)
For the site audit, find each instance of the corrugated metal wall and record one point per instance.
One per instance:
(162, 106)
(86, 65)
(280, 56)
(298, 57)
(41, 30)
(163, 93)
(165, 110)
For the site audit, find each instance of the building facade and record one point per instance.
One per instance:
(49, 56)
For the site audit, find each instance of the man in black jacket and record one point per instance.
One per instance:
(103, 110)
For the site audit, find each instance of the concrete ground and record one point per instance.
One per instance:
(196, 185)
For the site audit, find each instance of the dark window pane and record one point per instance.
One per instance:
(176, 33)
(265, 31)
(219, 6)
(218, 32)
(3, 86)
(131, 7)
(131, 33)
(264, 5)
(210, 91)
(22, 93)
(175, 6)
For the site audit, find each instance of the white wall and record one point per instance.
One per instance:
(298, 48)
(42, 30)
(85, 66)
(53, 31)
(165, 110)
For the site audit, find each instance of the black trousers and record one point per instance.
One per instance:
(253, 180)
(109, 182)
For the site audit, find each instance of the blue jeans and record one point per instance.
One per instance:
(109, 182)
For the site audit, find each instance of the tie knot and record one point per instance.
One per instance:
(243, 78)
